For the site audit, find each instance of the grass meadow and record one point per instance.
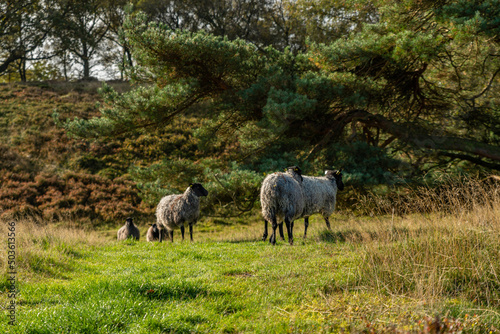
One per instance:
(430, 270)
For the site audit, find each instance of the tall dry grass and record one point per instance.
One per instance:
(447, 247)
(45, 250)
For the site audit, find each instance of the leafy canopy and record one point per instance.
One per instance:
(412, 84)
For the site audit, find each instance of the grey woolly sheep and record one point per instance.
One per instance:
(129, 230)
(174, 211)
(153, 233)
(281, 199)
(320, 195)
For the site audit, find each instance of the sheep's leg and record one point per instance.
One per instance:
(160, 234)
(272, 239)
(306, 225)
(280, 226)
(264, 236)
(171, 235)
(327, 221)
(182, 232)
(289, 228)
(191, 231)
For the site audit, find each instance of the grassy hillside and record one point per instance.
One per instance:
(50, 176)
(370, 274)
(46, 174)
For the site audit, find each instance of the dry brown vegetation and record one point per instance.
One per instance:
(46, 250)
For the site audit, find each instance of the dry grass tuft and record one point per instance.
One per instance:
(448, 195)
(46, 249)
(450, 249)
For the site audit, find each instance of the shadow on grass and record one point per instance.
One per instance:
(357, 236)
(179, 291)
(48, 265)
(180, 327)
(245, 240)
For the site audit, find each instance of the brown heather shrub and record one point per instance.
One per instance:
(73, 196)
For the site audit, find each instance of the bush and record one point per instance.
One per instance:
(75, 196)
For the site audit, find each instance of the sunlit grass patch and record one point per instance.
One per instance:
(47, 250)
(386, 273)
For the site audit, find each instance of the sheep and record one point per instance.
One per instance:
(174, 211)
(153, 233)
(281, 199)
(129, 230)
(320, 195)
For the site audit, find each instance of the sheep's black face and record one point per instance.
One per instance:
(296, 170)
(337, 175)
(198, 189)
(129, 221)
(155, 229)
(338, 179)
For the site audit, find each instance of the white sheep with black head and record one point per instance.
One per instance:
(153, 233)
(129, 230)
(176, 211)
(320, 195)
(282, 199)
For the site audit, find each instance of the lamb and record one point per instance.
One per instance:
(281, 198)
(153, 233)
(129, 230)
(174, 211)
(320, 195)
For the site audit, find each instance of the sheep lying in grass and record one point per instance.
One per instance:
(282, 199)
(153, 233)
(174, 211)
(320, 195)
(129, 230)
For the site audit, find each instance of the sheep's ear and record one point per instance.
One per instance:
(191, 185)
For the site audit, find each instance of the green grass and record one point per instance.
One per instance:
(359, 278)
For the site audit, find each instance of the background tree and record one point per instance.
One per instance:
(24, 27)
(410, 88)
(81, 31)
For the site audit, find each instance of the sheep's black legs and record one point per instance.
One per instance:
(280, 226)
(306, 225)
(191, 231)
(182, 232)
(171, 235)
(159, 237)
(327, 221)
(289, 227)
(264, 236)
(272, 239)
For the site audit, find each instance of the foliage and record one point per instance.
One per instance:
(232, 190)
(52, 177)
(383, 87)
(389, 91)
(71, 196)
(24, 27)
